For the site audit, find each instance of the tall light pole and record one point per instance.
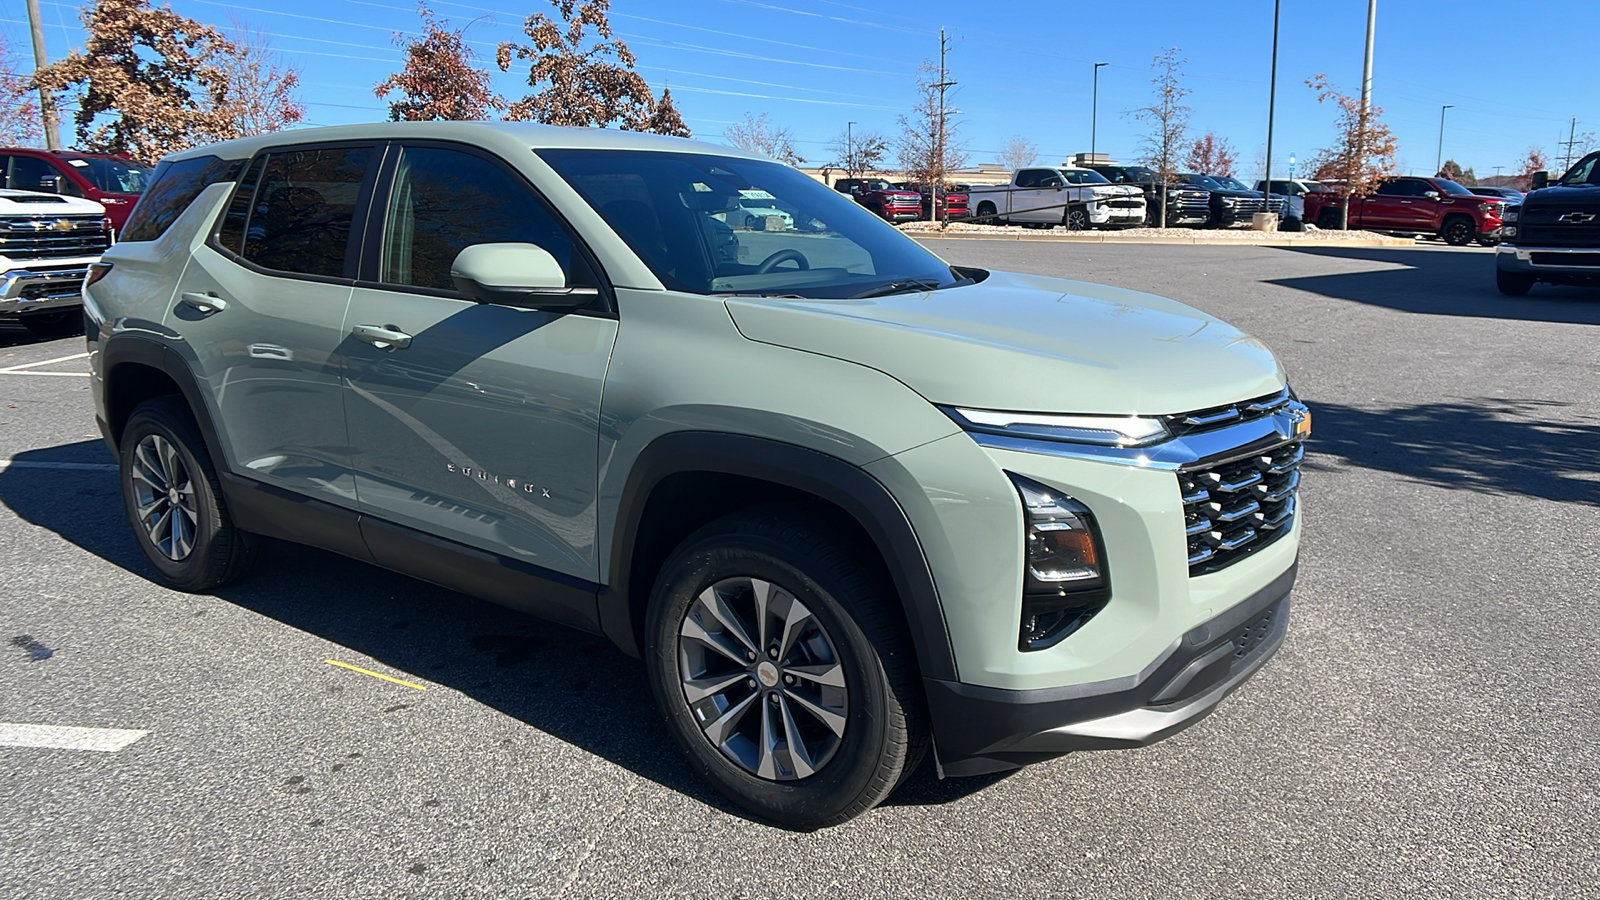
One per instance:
(1094, 112)
(849, 150)
(1439, 159)
(1272, 101)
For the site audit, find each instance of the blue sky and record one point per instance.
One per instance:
(1022, 68)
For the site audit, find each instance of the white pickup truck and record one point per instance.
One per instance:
(1045, 197)
(47, 243)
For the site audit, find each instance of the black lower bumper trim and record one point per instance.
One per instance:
(982, 729)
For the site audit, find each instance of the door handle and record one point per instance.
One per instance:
(205, 304)
(384, 337)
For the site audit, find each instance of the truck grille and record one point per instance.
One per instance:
(1197, 203)
(1124, 203)
(1559, 235)
(1247, 206)
(55, 237)
(1234, 508)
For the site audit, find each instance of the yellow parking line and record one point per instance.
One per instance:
(345, 665)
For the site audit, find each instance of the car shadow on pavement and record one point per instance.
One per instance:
(1497, 445)
(572, 686)
(1443, 283)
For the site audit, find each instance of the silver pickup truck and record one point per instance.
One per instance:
(47, 243)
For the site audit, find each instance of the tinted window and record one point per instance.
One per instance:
(1451, 187)
(445, 200)
(173, 187)
(1028, 178)
(1393, 189)
(29, 172)
(230, 234)
(116, 176)
(301, 218)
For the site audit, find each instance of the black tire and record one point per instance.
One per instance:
(54, 324)
(1076, 218)
(1292, 223)
(1328, 220)
(1458, 231)
(988, 209)
(1513, 284)
(884, 733)
(1488, 242)
(218, 551)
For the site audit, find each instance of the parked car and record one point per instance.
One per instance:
(1231, 202)
(1045, 197)
(114, 182)
(1553, 235)
(48, 242)
(1416, 206)
(890, 203)
(1295, 190)
(850, 504)
(1186, 204)
(951, 203)
(1510, 195)
(754, 209)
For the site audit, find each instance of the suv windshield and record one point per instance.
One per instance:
(1450, 187)
(116, 176)
(1084, 176)
(1587, 171)
(680, 212)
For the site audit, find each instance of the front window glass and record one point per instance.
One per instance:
(1205, 181)
(684, 215)
(114, 176)
(445, 200)
(304, 208)
(1232, 184)
(1587, 171)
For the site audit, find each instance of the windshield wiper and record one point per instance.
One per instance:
(898, 287)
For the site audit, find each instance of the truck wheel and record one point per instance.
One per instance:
(1292, 223)
(1076, 219)
(1488, 242)
(987, 209)
(1513, 284)
(1328, 220)
(175, 502)
(55, 324)
(783, 670)
(1457, 231)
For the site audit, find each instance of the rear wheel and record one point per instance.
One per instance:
(54, 324)
(782, 668)
(174, 501)
(1458, 231)
(1513, 284)
(986, 211)
(1328, 220)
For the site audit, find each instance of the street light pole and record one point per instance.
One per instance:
(849, 150)
(1094, 112)
(1439, 159)
(1272, 101)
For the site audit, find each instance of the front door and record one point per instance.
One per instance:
(474, 422)
(263, 303)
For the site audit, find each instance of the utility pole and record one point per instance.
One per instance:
(1438, 159)
(850, 150)
(941, 134)
(1272, 102)
(47, 103)
(1094, 113)
(1366, 107)
(1569, 143)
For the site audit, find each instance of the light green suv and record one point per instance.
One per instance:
(848, 502)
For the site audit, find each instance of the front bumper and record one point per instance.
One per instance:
(24, 291)
(1549, 262)
(984, 729)
(1102, 214)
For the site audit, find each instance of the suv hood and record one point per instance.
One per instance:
(32, 203)
(1029, 343)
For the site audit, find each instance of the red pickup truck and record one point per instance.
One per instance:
(114, 182)
(883, 198)
(1411, 205)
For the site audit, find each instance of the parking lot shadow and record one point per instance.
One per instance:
(1493, 444)
(1442, 283)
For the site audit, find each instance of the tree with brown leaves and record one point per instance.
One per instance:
(261, 87)
(1533, 161)
(1363, 151)
(152, 82)
(582, 80)
(438, 80)
(1210, 155)
(19, 104)
(1169, 121)
(757, 135)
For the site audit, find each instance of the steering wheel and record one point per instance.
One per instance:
(782, 256)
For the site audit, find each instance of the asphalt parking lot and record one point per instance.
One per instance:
(1429, 729)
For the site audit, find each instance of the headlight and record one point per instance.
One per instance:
(1511, 214)
(1486, 207)
(1106, 431)
(1064, 581)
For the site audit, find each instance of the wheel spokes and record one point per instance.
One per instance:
(721, 728)
(829, 674)
(697, 689)
(694, 631)
(799, 757)
(711, 601)
(833, 720)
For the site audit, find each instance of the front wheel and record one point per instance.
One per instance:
(1458, 232)
(1488, 242)
(1077, 219)
(782, 667)
(1513, 284)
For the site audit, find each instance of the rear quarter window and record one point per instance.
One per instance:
(173, 187)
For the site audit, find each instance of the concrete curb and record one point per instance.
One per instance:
(1266, 240)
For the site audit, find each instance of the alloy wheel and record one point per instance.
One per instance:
(762, 678)
(164, 497)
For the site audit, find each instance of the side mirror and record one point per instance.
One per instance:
(1431, 195)
(524, 275)
(1541, 179)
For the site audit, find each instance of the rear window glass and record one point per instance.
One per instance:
(173, 187)
(300, 216)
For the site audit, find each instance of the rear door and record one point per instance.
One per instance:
(1388, 207)
(262, 305)
(478, 423)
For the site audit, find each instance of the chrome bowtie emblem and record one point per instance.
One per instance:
(61, 225)
(1577, 218)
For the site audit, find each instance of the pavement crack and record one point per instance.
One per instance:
(594, 840)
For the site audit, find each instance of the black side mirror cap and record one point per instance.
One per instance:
(1541, 179)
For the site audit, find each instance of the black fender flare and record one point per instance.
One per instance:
(140, 349)
(828, 478)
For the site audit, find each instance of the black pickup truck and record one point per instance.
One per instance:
(1186, 204)
(1554, 235)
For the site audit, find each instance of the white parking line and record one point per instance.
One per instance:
(13, 369)
(78, 467)
(67, 737)
(49, 374)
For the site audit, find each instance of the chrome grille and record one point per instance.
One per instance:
(1236, 507)
(53, 237)
(1220, 416)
